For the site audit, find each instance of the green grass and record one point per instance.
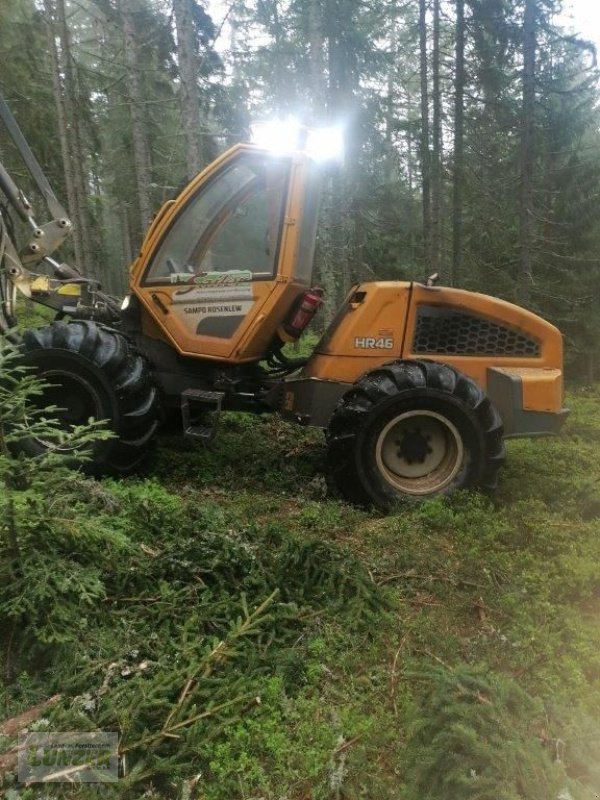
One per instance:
(449, 652)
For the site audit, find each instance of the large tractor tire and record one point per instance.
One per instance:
(94, 372)
(411, 430)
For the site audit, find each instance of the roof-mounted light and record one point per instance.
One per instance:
(283, 137)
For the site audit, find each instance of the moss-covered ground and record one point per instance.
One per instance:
(249, 637)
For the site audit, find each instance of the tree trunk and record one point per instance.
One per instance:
(436, 171)
(77, 154)
(527, 152)
(390, 108)
(459, 145)
(316, 66)
(345, 229)
(125, 235)
(141, 150)
(188, 75)
(424, 147)
(411, 159)
(63, 134)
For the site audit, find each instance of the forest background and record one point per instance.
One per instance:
(472, 132)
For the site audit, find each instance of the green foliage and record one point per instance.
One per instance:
(196, 615)
(50, 549)
(168, 617)
(297, 647)
(478, 736)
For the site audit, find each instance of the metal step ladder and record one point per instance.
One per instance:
(200, 411)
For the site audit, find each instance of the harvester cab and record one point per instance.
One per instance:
(225, 268)
(416, 386)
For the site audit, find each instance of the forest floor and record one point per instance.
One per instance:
(250, 637)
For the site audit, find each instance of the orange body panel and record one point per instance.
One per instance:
(391, 321)
(542, 387)
(381, 315)
(503, 313)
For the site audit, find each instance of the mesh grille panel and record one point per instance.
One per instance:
(443, 330)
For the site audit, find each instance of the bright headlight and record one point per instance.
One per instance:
(125, 302)
(279, 136)
(283, 137)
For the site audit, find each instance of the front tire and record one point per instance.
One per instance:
(412, 430)
(94, 372)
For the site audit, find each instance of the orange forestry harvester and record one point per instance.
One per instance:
(415, 385)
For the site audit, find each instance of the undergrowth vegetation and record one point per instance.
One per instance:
(250, 637)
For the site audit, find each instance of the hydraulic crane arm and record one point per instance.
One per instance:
(46, 238)
(67, 291)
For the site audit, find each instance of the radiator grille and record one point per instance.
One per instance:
(449, 332)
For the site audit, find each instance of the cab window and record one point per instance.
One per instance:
(233, 223)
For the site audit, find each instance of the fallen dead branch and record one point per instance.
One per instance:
(12, 726)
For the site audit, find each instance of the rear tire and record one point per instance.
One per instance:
(96, 373)
(411, 430)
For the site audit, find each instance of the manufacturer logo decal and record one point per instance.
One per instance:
(232, 285)
(232, 277)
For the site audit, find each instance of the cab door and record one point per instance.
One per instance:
(215, 258)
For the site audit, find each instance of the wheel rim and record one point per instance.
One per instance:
(419, 452)
(76, 399)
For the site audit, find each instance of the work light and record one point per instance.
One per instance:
(282, 137)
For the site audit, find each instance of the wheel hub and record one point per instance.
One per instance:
(419, 452)
(414, 446)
